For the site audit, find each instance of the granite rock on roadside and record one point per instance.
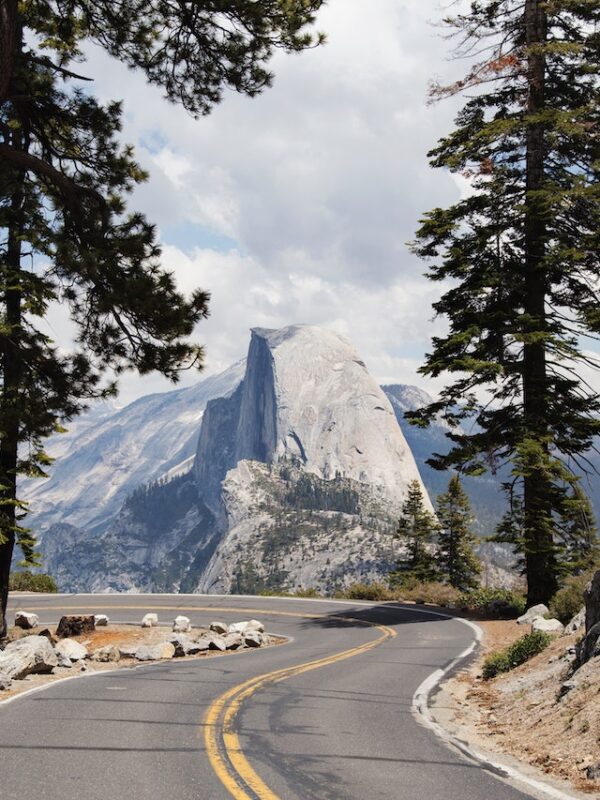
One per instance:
(32, 654)
(26, 619)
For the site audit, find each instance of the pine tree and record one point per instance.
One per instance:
(65, 234)
(520, 258)
(416, 531)
(458, 564)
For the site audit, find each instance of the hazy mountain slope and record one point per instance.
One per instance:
(109, 453)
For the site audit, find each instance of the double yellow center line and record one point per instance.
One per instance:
(222, 743)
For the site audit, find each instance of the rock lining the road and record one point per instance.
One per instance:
(42, 658)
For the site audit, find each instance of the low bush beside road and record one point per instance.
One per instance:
(27, 581)
(515, 654)
(494, 602)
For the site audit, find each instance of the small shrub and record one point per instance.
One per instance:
(438, 594)
(29, 582)
(494, 602)
(517, 653)
(311, 592)
(365, 591)
(569, 599)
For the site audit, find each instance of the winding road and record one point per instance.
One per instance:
(326, 716)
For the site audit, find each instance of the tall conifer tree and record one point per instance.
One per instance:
(65, 234)
(416, 531)
(457, 561)
(520, 258)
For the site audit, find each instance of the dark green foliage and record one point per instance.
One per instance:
(519, 262)
(26, 581)
(416, 530)
(66, 236)
(492, 602)
(457, 562)
(517, 653)
(309, 492)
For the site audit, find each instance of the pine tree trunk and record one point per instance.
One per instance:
(9, 405)
(539, 557)
(12, 368)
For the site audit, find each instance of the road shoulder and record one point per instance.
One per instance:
(506, 722)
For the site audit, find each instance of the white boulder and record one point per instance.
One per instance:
(101, 620)
(547, 625)
(128, 650)
(535, 611)
(107, 654)
(218, 627)
(183, 645)
(150, 620)
(253, 639)
(181, 625)
(69, 648)
(155, 652)
(233, 641)
(25, 619)
(63, 661)
(217, 643)
(246, 625)
(27, 656)
(237, 627)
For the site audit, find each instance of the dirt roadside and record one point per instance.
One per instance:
(526, 714)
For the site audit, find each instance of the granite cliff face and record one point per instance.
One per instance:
(304, 466)
(298, 477)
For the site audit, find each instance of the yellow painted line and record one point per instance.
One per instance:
(222, 743)
(225, 609)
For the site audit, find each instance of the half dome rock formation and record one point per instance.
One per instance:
(307, 399)
(305, 466)
(300, 471)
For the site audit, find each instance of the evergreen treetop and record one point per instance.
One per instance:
(519, 260)
(416, 531)
(457, 561)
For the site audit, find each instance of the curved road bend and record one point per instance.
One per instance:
(342, 731)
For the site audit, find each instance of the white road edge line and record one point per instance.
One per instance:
(422, 713)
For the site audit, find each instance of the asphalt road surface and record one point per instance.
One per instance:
(326, 716)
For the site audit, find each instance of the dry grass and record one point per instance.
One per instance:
(522, 712)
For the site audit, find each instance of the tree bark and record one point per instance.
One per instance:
(8, 41)
(12, 369)
(539, 552)
(9, 403)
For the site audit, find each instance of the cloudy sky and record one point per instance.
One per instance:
(296, 206)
